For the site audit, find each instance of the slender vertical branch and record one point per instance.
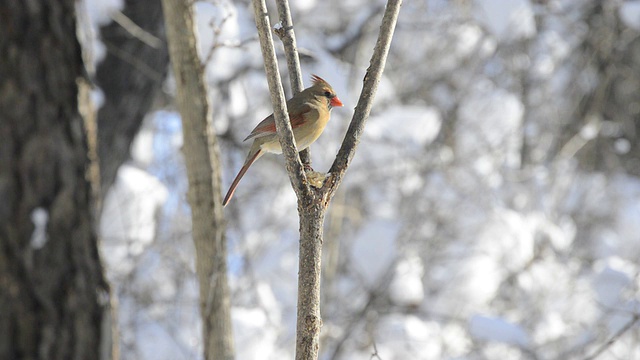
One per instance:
(288, 38)
(283, 126)
(363, 108)
(203, 162)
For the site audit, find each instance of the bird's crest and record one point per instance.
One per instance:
(318, 80)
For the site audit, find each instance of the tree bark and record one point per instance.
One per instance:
(203, 170)
(313, 202)
(53, 293)
(309, 321)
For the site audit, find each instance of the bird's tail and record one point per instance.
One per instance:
(250, 160)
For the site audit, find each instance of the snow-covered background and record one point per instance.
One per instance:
(474, 223)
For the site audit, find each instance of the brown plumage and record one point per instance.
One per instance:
(309, 113)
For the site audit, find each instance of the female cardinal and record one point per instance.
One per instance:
(309, 113)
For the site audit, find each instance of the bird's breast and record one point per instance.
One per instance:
(311, 129)
(305, 134)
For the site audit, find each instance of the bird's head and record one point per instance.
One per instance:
(321, 88)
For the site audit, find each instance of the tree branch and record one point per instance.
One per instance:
(311, 207)
(136, 31)
(363, 108)
(283, 126)
(202, 161)
(615, 337)
(288, 38)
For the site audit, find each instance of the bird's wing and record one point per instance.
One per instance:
(268, 125)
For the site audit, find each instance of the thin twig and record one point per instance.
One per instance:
(375, 352)
(229, 44)
(135, 62)
(217, 30)
(615, 337)
(135, 30)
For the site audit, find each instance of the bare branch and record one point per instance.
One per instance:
(217, 43)
(135, 62)
(135, 30)
(363, 108)
(375, 354)
(283, 126)
(288, 38)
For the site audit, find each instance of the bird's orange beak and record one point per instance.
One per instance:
(335, 102)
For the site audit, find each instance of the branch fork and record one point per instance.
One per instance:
(313, 200)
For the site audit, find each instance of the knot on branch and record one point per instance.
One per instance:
(282, 31)
(313, 323)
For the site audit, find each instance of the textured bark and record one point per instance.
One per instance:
(309, 321)
(312, 202)
(131, 78)
(52, 290)
(203, 170)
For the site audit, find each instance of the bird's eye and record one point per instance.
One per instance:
(327, 94)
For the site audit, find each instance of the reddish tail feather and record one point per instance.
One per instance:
(241, 173)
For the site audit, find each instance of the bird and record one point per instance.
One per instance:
(309, 112)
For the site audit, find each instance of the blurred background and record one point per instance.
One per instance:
(492, 210)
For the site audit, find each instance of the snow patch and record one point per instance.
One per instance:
(40, 219)
(420, 125)
(406, 288)
(408, 337)
(497, 329)
(507, 19)
(129, 217)
(630, 14)
(100, 11)
(373, 250)
(255, 336)
(489, 129)
(613, 276)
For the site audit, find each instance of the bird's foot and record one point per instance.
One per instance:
(307, 168)
(315, 179)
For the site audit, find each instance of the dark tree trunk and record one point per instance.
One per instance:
(51, 282)
(131, 77)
